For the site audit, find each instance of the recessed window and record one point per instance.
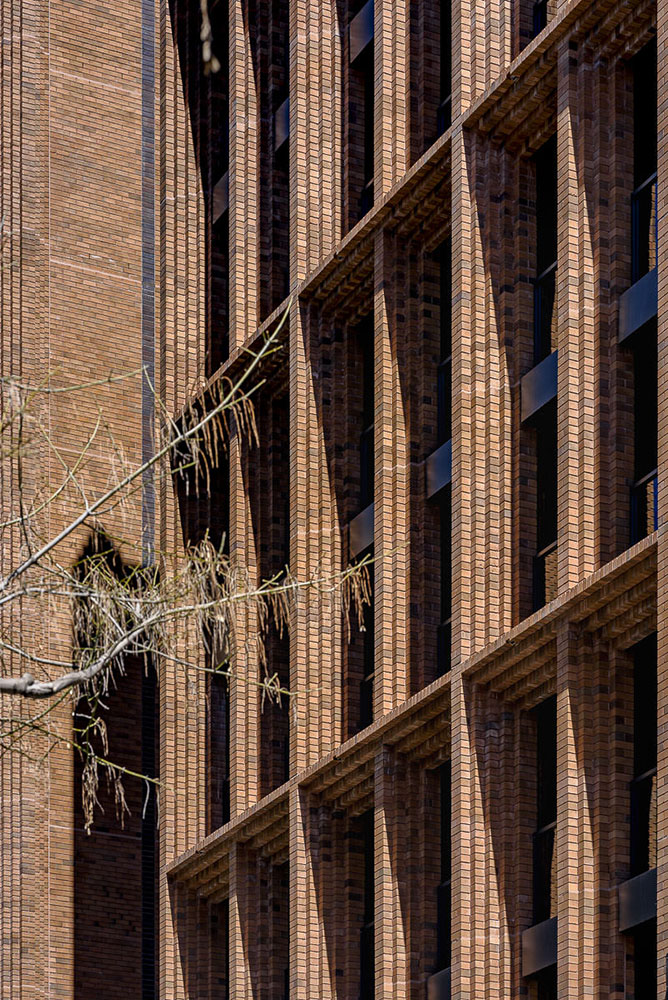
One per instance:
(367, 951)
(544, 858)
(445, 105)
(643, 785)
(443, 925)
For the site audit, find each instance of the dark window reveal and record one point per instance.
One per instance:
(644, 492)
(444, 629)
(546, 249)
(367, 970)
(445, 106)
(545, 561)
(544, 899)
(443, 927)
(644, 198)
(444, 398)
(643, 785)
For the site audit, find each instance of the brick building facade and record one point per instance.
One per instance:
(459, 205)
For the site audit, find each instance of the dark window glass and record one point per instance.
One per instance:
(645, 402)
(546, 809)
(643, 785)
(644, 114)
(546, 984)
(644, 492)
(445, 107)
(539, 16)
(644, 198)
(366, 684)
(366, 334)
(444, 888)
(445, 529)
(367, 971)
(546, 248)
(546, 204)
(644, 961)
(365, 66)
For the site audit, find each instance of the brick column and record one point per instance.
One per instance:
(576, 868)
(576, 324)
(242, 927)
(662, 564)
(481, 406)
(484, 790)
(391, 528)
(316, 631)
(244, 196)
(391, 871)
(392, 57)
(315, 134)
(244, 693)
(310, 972)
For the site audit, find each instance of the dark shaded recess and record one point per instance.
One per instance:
(206, 98)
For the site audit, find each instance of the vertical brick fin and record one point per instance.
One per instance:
(482, 413)
(244, 195)
(316, 633)
(392, 53)
(483, 861)
(575, 318)
(391, 530)
(576, 816)
(462, 459)
(244, 692)
(243, 889)
(180, 360)
(310, 971)
(391, 946)
(465, 825)
(662, 558)
(315, 134)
